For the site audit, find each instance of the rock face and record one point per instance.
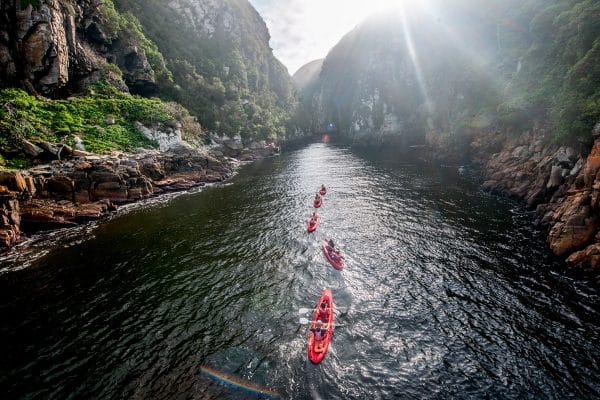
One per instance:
(561, 185)
(221, 62)
(374, 89)
(12, 186)
(575, 217)
(57, 46)
(40, 36)
(167, 137)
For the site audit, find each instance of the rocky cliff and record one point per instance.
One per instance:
(56, 47)
(211, 56)
(87, 186)
(450, 67)
(224, 71)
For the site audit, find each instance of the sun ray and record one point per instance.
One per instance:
(414, 57)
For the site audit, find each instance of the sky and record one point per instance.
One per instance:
(305, 30)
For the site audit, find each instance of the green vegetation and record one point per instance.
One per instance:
(560, 53)
(229, 79)
(127, 28)
(493, 64)
(104, 119)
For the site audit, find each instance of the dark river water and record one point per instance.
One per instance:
(447, 293)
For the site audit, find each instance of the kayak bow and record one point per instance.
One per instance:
(314, 224)
(318, 203)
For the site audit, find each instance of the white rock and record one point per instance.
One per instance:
(167, 139)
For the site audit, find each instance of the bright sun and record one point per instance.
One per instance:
(382, 5)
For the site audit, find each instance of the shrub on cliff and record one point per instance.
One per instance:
(104, 119)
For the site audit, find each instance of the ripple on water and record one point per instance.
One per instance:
(446, 293)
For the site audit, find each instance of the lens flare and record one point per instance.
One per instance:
(238, 384)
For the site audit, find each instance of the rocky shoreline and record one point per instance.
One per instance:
(88, 187)
(561, 185)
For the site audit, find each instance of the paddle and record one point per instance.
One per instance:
(305, 321)
(307, 310)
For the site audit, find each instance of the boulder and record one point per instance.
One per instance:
(60, 187)
(556, 177)
(82, 196)
(588, 258)
(49, 149)
(574, 224)
(65, 150)
(562, 158)
(91, 211)
(576, 168)
(571, 153)
(31, 149)
(13, 180)
(234, 145)
(8, 237)
(152, 170)
(79, 147)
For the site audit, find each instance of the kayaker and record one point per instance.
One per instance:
(314, 217)
(317, 198)
(323, 188)
(331, 244)
(323, 313)
(319, 331)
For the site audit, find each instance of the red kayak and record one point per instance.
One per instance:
(313, 224)
(333, 256)
(318, 349)
(318, 203)
(323, 191)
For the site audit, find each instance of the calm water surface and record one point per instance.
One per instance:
(447, 293)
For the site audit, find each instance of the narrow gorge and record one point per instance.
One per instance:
(175, 205)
